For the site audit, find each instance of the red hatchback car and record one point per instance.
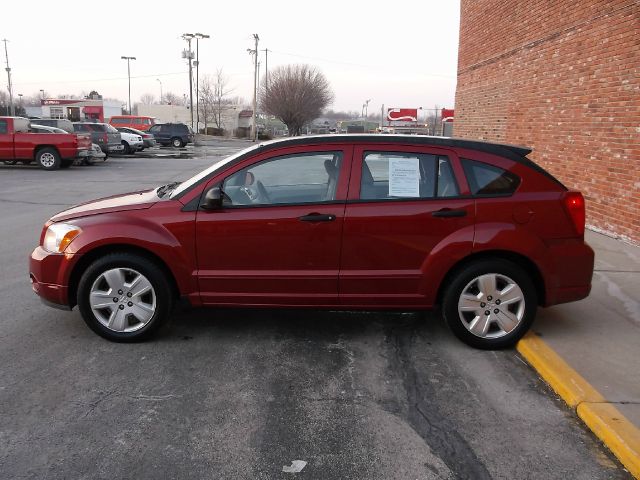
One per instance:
(336, 222)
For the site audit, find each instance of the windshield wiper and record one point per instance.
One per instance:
(163, 190)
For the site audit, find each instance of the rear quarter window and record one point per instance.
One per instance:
(487, 179)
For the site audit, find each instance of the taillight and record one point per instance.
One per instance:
(574, 203)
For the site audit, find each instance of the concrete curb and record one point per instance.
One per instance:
(602, 417)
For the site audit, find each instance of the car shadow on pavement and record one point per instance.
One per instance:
(294, 323)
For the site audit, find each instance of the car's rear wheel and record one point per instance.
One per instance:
(177, 142)
(490, 304)
(124, 297)
(127, 148)
(48, 158)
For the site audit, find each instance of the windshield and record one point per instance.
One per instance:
(187, 184)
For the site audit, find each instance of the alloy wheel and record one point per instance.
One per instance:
(122, 299)
(491, 305)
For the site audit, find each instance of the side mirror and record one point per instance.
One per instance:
(212, 199)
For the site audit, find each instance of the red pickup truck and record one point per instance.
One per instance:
(49, 150)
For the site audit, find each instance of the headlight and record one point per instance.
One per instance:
(59, 236)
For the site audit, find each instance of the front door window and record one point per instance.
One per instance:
(290, 179)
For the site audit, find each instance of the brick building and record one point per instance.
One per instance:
(562, 77)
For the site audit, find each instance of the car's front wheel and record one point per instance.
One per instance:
(490, 304)
(124, 297)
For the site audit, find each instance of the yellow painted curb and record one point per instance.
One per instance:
(602, 418)
(563, 379)
(616, 432)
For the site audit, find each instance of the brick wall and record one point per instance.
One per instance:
(562, 77)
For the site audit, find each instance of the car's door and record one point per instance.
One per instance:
(276, 239)
(404, 203)
(157, 133)
(6, 140)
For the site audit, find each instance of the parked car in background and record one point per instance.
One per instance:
(61, 123)
(336, 222)
(148, 139)
(131, 142)
(172, 134)
(86, 156)
(19, 144)
(139, 122)
(102, 134)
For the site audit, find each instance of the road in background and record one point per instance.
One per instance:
(240, 394)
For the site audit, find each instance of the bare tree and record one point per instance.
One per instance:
(214, 101)
(173, 99)
(148, 99)
(297, 94)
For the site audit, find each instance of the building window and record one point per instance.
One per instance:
(56, 112)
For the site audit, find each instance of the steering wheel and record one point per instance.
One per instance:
(262, 192)
(251, 194)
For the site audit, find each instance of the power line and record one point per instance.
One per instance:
(104, 79)
(375, 67)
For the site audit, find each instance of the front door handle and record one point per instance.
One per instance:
(317, 217)
(447, 212)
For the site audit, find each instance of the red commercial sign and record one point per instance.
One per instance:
(402, 114)
(447, 115)
(50, 101)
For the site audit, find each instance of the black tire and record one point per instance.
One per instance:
(177, 142)
(496, 336)
(48, 158)
(161, 293)
(127, 148)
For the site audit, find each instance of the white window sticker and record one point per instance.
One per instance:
(404, 177)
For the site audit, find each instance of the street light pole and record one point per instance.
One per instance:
(256, 38)
(198, 37)
(9, 85)
(189, 55)
(366, 113)
(160, 90)
(128, 59)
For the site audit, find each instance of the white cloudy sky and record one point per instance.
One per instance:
(400, 54)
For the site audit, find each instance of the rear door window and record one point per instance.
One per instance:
(489, 180)
(396, 175)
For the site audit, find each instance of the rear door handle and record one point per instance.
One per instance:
(446, 212)
(317, 217)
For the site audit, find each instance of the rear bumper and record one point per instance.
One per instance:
(47, 271)
(571, 271)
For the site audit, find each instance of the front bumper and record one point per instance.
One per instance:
(48, 273)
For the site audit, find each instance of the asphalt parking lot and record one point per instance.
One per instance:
(241, 393)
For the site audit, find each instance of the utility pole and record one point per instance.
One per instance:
(256, 38)
(12, 111)
(128, 59)
(160, 82)
(188, 54)
(198, 37)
